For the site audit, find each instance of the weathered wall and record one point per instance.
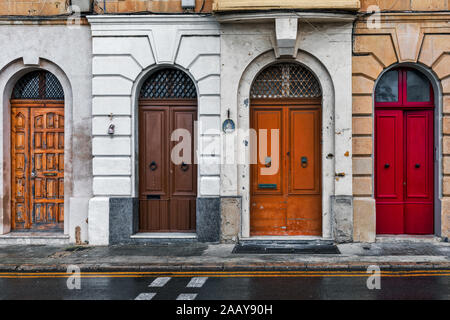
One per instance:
(125, 50)
(323, 47)
(65, 52)
(402, 38)
(58, 7)
(406, 5)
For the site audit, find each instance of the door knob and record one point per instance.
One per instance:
(33, 174)
(387, 165)
(417, 165)
(153, 166)
(304, 162)
(184, 166)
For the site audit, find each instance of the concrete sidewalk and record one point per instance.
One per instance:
(195, 256)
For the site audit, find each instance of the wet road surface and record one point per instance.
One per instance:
(299, 285)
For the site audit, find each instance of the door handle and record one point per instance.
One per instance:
(33, 174)
(387, 165)
(417, 165)
(268, 162)
(304, 162)
(184, 166)
(153, 166)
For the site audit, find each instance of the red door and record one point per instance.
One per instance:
(404, 157)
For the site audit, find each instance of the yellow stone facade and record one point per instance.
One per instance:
(417, 38)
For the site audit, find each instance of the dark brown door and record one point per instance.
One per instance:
(167, 190)
(287, 200)
(37, 145)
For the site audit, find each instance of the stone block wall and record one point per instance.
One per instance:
(421, 39)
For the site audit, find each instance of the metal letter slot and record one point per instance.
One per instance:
(50, 174)
(304, 162)
(267, 186)
(153, 197)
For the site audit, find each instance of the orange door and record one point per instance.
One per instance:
(37, 138)
(286, 181)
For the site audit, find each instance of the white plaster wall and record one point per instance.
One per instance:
(125, 51)
(66, 52)
(326, 49)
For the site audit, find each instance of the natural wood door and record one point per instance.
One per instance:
(167, 190)
(37, 145)
(286, 181)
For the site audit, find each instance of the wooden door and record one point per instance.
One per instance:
(404, 155)
(286, 181)
(37, 145)
(168, 190)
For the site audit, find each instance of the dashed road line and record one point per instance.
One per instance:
(187, 296)
(160, 282)
(197, 282)
(145, 296)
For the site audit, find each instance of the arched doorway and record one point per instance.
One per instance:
(404, 153)
(167, 186)
(37, 153)
(286, 193)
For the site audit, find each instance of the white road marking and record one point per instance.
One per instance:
(145, 296)
(197, 282)
(159, 282)
(187, 296)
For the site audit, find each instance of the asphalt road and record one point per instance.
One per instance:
(300, 285)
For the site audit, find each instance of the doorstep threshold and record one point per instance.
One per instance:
(34, 235)
(407, 238)
(164, 235)
(281, 238)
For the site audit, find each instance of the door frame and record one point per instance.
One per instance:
(332, 159)
(8, 79)
(438, 136)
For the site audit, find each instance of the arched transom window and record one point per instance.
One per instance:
(404, 86)
(168, 84)
(38, 85)
(286, 80)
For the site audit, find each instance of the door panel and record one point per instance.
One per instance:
(419, 153)
(46, 153)
(20, 168)
(389, 156)
(153, 163)
(269, 168)
(419, 172)
(184, 181)
(288, 201)
(168, 191)
(304, 152)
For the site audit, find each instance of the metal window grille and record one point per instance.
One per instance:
(286, 80)
(41, 85)
(169, 84)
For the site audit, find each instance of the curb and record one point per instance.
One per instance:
(351, 266)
